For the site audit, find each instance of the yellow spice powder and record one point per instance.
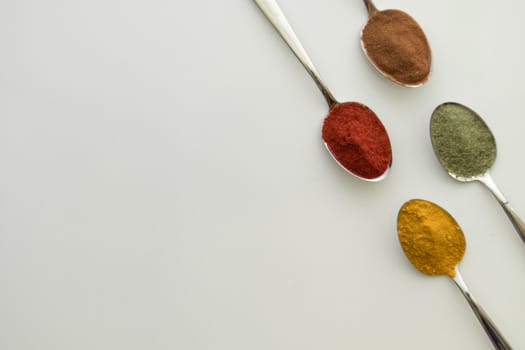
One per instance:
(430, 237)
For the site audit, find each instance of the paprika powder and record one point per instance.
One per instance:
(357, 139)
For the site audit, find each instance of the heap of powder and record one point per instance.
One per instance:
(397, 46)
(430, 237)
(357, 139)
(462, 141)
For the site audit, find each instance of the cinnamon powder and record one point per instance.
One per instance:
(397, 46)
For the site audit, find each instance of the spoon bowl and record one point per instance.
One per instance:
(466, 148)
(352, 133)
(434, 243)
(396, 46)
(363, 152)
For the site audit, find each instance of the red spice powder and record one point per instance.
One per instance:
(357, 139)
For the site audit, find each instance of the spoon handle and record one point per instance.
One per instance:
(488, 325)
(275, 15)
(370, 7)
(518, 224)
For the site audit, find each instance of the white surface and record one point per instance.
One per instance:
(163, 184)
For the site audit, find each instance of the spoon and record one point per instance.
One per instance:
(396, 46)
(352, 132)
(466, 148)
(434, 243)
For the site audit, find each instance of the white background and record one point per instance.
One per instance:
(163, 184)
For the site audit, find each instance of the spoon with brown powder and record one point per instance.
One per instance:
(353, 134)
(396, 46)
(434, 243)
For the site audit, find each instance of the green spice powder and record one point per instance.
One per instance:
(462, 141)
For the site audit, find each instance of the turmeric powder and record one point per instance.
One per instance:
(430, 237)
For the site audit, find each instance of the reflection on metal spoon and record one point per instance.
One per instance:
(346, 123)
(434, 243)
(466, 148)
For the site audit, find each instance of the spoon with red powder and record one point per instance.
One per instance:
(396, 46)
(353, 134)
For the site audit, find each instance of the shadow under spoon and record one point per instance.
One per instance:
(352, 133)
(466, 148)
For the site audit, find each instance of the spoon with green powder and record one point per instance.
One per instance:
(434, 243)
(466, 148)
(396, 46)
(352, 133)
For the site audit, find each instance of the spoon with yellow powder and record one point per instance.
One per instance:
(396, 46)
(434, 243)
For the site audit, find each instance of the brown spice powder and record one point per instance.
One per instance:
(397, 46)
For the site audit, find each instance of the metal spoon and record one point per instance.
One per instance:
(408, 58)
(466, 148)
(440, 256)
(274, 14)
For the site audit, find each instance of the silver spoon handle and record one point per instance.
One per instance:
(488, 325)
(370, 7)
(518, 224)
(275, 15)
